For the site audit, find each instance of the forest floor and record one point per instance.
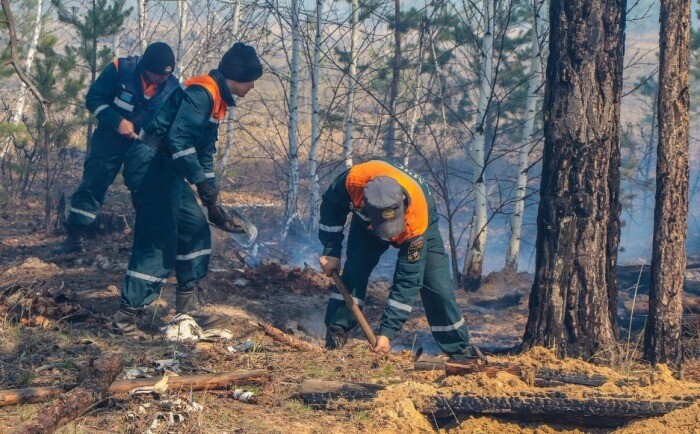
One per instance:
(62, 320)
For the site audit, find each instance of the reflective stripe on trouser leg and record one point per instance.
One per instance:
(363, 253)
(107, 153)
(444, 316)
(193, 240)
(155, 234)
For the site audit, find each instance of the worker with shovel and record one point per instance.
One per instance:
(391, 206)
(174, 151)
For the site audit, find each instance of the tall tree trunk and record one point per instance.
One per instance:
(662, 337)
(293, 182)
(231, 114)
(417, 94)
(528, 141)
(389, 142)
(142, 24)
(22, 100)
(474, 261)
(574, 295)
(47, 181)
(181, 31)
(315, 200)
(352, 77)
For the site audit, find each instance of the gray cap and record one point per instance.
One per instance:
(384, 207)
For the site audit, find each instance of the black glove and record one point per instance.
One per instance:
(208, 193)
(216, 215)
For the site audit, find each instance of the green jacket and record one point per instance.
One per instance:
(410, 264)
(185, 128)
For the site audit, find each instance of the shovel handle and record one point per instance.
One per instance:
(354, 308)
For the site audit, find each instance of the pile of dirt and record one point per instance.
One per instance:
(30, 267)
(397, 409)
(686, 420)
(297, 280)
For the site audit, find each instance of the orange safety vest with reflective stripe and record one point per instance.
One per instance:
(219, 108)
(416, 213)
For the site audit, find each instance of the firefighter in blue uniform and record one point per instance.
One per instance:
(174, 151)
(123, 99)
(391, 206)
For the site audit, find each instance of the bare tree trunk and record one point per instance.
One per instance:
(574, 295)
(181, 31)
(389, 142)
(474, 261)
(417, 95)
(228, 149)
(352, 77)
(315, 200)
(293, 187)
(19, 110)
(662, 337)
(142, 24)
(528, 141)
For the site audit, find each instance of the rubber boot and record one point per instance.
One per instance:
(187, 302)
(73, 243)
(336, 337)
(124, 323)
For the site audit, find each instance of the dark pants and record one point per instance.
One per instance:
(363, 253)
(171, 231)
(107, 153)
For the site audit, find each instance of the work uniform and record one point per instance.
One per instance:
(174, 150)
(120, 92)
(422, 266)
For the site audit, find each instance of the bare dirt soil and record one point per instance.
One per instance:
(55, 314)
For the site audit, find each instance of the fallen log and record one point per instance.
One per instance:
(190, 382)
(92, 388)
(279, 336)
(530, 376)
(319, 393)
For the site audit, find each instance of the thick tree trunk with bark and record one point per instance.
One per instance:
(573, 298)
(662, 339)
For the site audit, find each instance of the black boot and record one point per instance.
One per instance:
(470, 353)
(336, 337)
(124, 323)
(73, 243)
(187, 302)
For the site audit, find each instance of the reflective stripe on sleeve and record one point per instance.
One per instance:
(209, 175)
(100, 108)
(126, 106)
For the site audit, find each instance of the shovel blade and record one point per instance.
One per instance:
(244, 239)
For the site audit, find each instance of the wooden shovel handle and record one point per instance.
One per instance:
(354, 308)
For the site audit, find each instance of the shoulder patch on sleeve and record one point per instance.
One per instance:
(415, 249)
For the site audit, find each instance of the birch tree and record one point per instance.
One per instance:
(231, 114)
(529, 139)
(293, 177)
(315, 133)
(394, 89)
(662, 337)
(21, 101)
(142, 5)
(473, 263)
(349, 121)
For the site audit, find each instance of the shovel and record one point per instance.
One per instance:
(355, 309)
(242, 231)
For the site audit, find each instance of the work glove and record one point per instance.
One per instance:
(216, 214)
(207, 193)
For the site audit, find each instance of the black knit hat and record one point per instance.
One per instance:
(241, 63)
(158, 58)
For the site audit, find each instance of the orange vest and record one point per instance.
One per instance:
(416, 213)
(149, 89)
(218, 111)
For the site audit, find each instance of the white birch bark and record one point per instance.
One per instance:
(315, 134)
(22, 100)
(182, 12)
(231, 114)
(352, 77)
(416, 98)
(293, 183)
(473, 263)
(528, 139)
(142, 24)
